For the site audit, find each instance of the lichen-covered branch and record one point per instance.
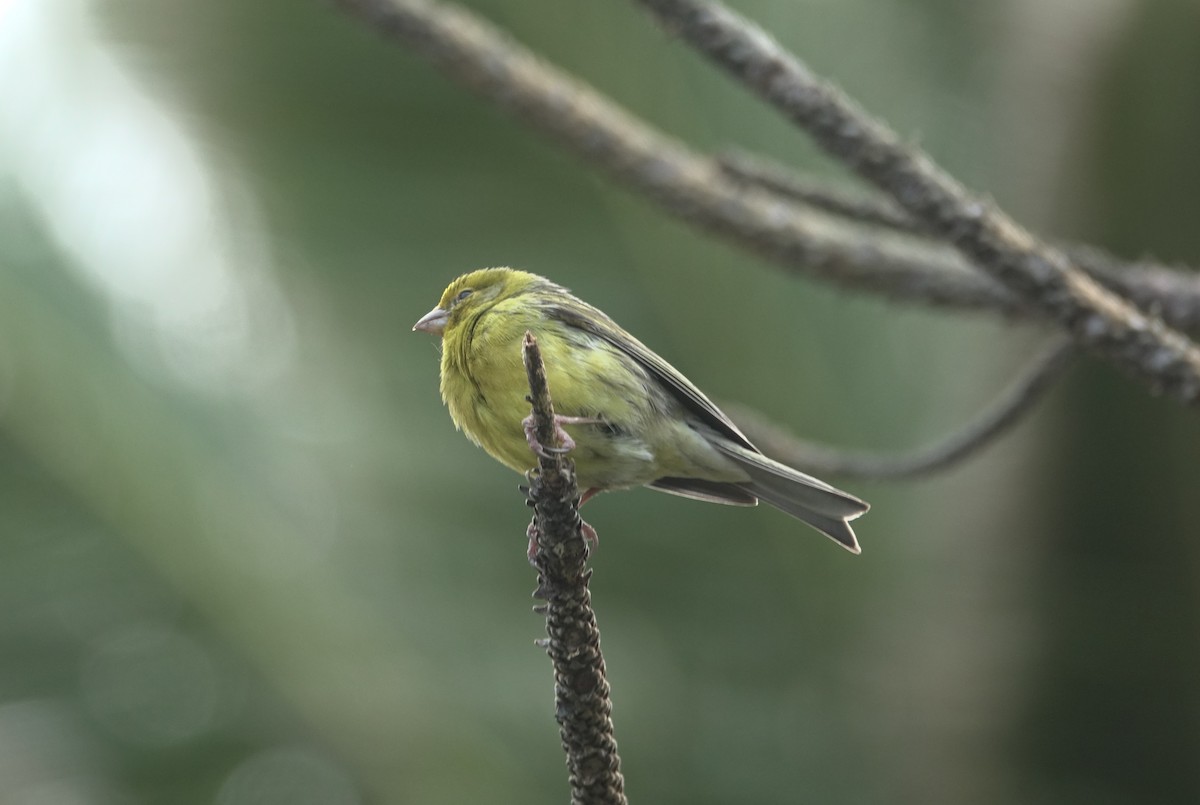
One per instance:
(1004, 412)
(1036, 272)
(581, 694)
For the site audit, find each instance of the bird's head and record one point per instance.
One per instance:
(470, 294)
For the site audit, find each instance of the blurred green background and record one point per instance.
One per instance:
(245, 558)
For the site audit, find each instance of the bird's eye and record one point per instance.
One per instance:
(463, 295)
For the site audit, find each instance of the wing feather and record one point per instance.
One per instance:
(591, 320)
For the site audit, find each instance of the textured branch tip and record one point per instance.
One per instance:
(553, 494)
(582, 705)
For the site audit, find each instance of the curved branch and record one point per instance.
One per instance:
(581, 693)
(1038, 273)
(1007, 409)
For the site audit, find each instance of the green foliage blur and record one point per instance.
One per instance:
(245, 558)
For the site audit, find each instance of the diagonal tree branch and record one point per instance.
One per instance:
(1172, 293)
(581, 693)
(796, 235)
(684, 183)
(1038, 273)
(1004, 412)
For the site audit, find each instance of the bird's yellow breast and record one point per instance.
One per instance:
(484, 385)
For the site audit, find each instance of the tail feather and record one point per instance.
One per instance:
(836, 528)
(809, 499)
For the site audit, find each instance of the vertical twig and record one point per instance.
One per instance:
(581, 694)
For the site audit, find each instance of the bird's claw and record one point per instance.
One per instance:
(560, 435)
(589, 535)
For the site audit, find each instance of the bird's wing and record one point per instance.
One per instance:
(593, 321)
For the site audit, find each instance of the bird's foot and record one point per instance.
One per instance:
(589, 535)
(563, 438)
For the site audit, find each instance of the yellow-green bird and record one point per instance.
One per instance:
(633, 418)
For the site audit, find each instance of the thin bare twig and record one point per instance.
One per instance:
(1035, 271)
(781, 180)
(1004, 412)
(581, 693)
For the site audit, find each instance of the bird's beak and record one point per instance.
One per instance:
(433, 322)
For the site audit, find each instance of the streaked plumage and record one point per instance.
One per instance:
(656, 428)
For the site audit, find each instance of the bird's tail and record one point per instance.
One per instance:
(806, 498)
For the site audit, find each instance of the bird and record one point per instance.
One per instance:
(628, 416)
